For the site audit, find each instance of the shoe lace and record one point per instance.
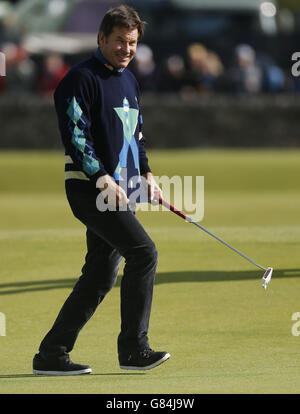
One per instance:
(146, 353)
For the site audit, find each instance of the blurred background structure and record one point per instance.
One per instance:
(211, 72)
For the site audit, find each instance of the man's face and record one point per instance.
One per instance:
(119, 47)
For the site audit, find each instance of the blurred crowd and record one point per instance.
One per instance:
(198, 72)
(25, 74)
(201, 72)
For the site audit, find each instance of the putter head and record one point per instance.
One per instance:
(266, 279)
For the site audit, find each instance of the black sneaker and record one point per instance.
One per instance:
(142, 360)
(60, 366)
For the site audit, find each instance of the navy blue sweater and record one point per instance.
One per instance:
(101, 123)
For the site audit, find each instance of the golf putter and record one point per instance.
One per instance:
(268, 271)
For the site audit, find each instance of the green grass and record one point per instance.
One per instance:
(224, 332)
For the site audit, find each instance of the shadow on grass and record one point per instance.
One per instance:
(50, 376)
(168, 277)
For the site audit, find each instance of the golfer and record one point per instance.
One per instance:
(100, 122)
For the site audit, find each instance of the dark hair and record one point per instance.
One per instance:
(121, 16)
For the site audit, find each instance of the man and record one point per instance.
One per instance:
(97, 105)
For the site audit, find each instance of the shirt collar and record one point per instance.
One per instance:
(98, 55)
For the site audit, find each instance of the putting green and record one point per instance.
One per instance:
(224, 332)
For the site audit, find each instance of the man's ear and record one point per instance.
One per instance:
(101, 38)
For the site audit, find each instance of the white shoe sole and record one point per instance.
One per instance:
(155, 364)
(79, 372)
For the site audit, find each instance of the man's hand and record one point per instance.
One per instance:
(154, 191)
(113, 194)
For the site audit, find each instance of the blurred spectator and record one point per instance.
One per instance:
(172, 75)
(246, 76)
(275, 79)
(205, 68)
(273, 76)
(143, 67)
(294, 84)
(53, 70)
(20, 69)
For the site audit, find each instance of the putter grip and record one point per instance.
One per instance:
(173, 209)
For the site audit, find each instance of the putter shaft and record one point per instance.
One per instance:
(228, 245)
(187, 218)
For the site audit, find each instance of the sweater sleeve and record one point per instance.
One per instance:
(144, 163)
(74, 99)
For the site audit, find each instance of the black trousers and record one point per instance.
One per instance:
(111, 236)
